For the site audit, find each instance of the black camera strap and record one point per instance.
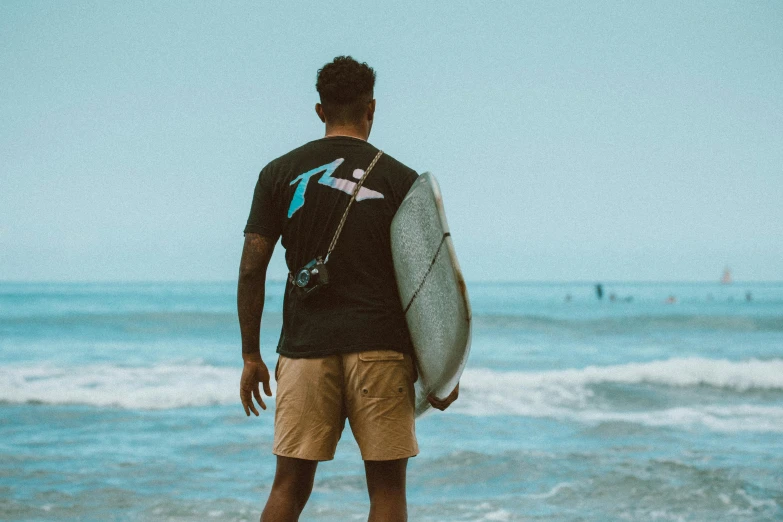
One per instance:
(353, 198)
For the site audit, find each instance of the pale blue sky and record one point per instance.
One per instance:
(572, 141)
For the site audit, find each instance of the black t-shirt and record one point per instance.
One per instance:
(301, 196)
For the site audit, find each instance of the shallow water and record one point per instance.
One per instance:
(119, 402)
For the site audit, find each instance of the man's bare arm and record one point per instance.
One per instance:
(250, 305)
(251, 289)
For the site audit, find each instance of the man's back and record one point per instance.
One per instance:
(301, 197)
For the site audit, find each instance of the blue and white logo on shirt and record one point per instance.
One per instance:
(343, 185)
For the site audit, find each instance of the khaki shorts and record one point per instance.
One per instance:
(373, 390)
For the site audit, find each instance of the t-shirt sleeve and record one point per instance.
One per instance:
(404, 184)
(265, 217)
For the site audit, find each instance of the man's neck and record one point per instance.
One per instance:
(352, 132)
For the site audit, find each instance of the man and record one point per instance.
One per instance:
(344, 350)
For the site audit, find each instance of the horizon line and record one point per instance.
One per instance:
(475, 281)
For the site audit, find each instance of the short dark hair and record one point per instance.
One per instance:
(345, 87)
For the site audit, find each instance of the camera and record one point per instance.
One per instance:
(311, 277)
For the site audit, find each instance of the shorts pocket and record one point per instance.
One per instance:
(383, 374)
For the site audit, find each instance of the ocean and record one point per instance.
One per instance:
(658, 402)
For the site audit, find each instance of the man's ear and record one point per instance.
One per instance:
(319, 110)
(371, 110)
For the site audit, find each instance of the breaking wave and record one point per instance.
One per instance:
(161, 386)
(635, 323)
(572, 394)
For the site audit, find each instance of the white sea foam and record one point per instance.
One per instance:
(563, 394)
(552, 492)
(689, 371)
(156, 387)
(498, 515)
(570, 394)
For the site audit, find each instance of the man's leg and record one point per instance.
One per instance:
(386, 485)
(290, 490)
(308, 423)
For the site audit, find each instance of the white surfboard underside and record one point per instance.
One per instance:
(432, 290)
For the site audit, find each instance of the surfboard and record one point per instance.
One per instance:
(432, 290)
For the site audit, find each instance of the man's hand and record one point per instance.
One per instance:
(442, 404)
(255, 371)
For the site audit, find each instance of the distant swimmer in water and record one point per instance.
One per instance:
(748, 296)
(599, 291)
(671, 299)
